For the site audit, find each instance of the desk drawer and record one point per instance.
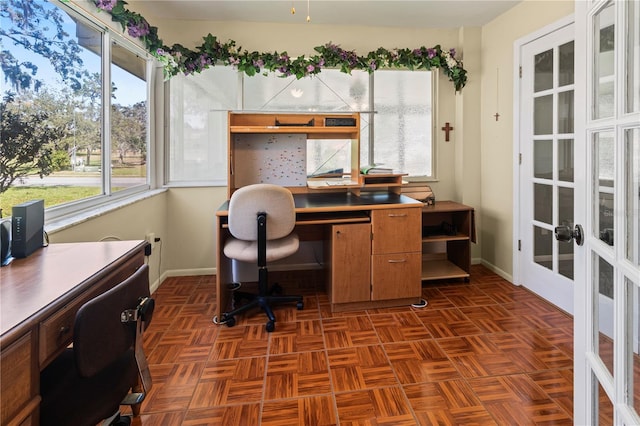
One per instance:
(18, 396)
(396, 230)
(56, 331)
(395, 276)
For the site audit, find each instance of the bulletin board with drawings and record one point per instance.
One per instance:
(278, 158)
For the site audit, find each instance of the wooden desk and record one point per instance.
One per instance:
(39, 297)
(371, 241)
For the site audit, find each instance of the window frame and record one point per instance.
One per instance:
(108, 197)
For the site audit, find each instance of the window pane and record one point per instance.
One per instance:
(330, 90)
(55, 106)
(402, 123)
(198, 129)
(402, 117)
(128, 119)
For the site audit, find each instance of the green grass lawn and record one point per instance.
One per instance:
(52, 195)
(59, 194)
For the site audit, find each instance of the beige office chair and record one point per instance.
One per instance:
(261, 221)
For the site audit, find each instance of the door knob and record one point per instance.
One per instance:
(565, 234)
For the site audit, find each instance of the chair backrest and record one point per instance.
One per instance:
(99, 336)
(245, 204)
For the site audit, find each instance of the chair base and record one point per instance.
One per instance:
(264, 300)
(117, 420)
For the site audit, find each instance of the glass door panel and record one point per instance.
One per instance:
(565, 217)
(604, 62)
(603, 309)
(543, 115)
(565, 64)
(603, 186)
(543, 203)
(632, 190)
(543, 159)
(632, 80)
(632, 349)
(565, 160)
(543, 247)
(543, 75)
(565, 112)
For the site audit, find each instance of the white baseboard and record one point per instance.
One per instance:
(295, 267)
(498, 271)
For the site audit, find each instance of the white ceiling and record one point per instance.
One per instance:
(379, 13)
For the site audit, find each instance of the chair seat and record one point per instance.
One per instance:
(247, 251)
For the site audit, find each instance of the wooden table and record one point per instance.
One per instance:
(39, 297)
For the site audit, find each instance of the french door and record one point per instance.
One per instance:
(607, 280)
(546, 170)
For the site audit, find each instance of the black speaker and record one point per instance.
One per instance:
(5, 243)
(27, 228)
(339, 122)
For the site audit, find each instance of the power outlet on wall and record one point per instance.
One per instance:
(151, 239)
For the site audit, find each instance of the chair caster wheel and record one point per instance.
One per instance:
(300, 305)
(271, 325)
(230, 321)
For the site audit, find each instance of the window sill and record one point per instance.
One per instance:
(68, 221)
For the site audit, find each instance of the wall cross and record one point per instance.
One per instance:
(447, 128)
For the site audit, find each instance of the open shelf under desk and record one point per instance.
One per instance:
(439, 238)
(437, 269)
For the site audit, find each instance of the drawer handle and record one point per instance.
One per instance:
(64, 330)
(397, 260)
(397, 214)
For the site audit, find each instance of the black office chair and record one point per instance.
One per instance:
(105, 367)
(261, 221)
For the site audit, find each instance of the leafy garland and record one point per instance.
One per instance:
(178, 58)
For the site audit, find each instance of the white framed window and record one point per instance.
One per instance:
(395, 107)
(77, 95)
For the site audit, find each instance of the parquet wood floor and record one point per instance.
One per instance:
(482, 352)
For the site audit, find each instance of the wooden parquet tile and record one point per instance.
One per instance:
(482, 352)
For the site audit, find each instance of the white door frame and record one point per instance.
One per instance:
(517, 47)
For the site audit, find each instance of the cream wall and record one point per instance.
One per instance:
(497, 152)
(130, 222)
